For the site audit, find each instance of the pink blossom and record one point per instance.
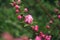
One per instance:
(51, 21)
(26, 10)
(17, 11)
(41, 32)
(19, 1)
(19, 17)
(28, 19)
(48, 37)
(7, 36)
(17, 6)
(38, 38)
(47, 26)
(36, 27)
(42, 35)
(13, 4)
(59, 16)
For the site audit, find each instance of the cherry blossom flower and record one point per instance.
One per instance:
(38, 38)
(26, 10)
(48, 37)
(19, 1)
(47, 26)
(19, 17)
(42, 34)
(59, 16)
(17, 6)
(28, 19)
(35, 28)
(17, 11)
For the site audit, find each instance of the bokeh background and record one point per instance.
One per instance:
(42, 11)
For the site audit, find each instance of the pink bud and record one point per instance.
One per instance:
(17, 7)
(48, 37)
(19, 17)
(50, 21)
(59, 16)
(38, 38)
(42, 35)
(36, 28)
(19, 1)
(13, 4)
(47, 26)
(26, 10)
(17, 11)
(41, 32)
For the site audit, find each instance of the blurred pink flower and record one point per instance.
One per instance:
(50, 21)
(17, 6)
(13, 4)
(38, 38)
(7, 36)
(28, 19)
(35, 28)
(47, 26)
(17, 11)
(42, 34)
(26, 10)
(59, 16)
(48, 37)
(19, 1)
(19, 17)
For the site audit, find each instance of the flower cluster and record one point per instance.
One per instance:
(15, 4)
(42, 36)
(28, 18)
